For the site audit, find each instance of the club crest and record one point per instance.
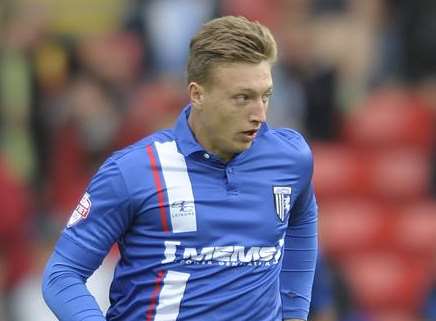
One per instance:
(282, 200)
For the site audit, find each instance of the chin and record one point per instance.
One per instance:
(242, 147)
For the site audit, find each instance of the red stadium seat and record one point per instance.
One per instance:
(396, 315)
(350, 226)
(399, 174)
(391, 118)
(382, 281)
(415, 229)
(338, 171)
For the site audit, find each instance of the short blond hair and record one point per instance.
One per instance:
(229, 39)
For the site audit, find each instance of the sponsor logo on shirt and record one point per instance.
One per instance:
(81, 211)
(282, 200)
(232, 255)
(182, 209)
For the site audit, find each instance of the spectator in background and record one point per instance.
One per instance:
(83, 136)
(418, 42)
(163, 20)
(84, 92)
(15, 233)
(311, 80)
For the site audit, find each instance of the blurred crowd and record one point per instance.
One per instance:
(80, 79)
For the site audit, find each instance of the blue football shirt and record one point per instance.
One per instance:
(199, 239)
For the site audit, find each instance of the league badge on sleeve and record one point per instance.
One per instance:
(282, 200)
(81, 211)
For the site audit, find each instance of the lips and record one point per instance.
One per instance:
(250, 134)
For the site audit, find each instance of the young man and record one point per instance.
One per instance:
(215, 218)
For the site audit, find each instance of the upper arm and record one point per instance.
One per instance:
(100, 219)
(305, 209)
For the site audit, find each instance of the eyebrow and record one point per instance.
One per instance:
(251, 91)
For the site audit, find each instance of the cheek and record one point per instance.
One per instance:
(221, 118)
(228, 123)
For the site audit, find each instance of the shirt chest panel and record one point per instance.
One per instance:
(243, 213)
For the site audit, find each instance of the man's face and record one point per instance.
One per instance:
(233, 106)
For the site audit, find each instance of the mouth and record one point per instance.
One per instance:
(249, 135)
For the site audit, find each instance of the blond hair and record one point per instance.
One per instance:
(229, 39)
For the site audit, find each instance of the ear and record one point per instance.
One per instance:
(196, 94)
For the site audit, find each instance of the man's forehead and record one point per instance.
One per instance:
(242, 76)
(238, 67)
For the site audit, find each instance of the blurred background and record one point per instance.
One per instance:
(80, 79)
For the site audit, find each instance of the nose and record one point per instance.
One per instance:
(258, 112)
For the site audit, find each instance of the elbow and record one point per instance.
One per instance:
(46, 281)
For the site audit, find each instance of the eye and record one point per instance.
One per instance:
(241, 98)
(266, 98)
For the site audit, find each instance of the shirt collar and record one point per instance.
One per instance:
(185, 138)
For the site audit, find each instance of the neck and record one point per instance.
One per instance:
(201, 135)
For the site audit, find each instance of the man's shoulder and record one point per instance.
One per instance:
(292, 141)
(287, 133)
(132, 163)
(137, 150)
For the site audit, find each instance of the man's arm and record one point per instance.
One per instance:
(65, 292)
(299, 260)
(99, 220)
